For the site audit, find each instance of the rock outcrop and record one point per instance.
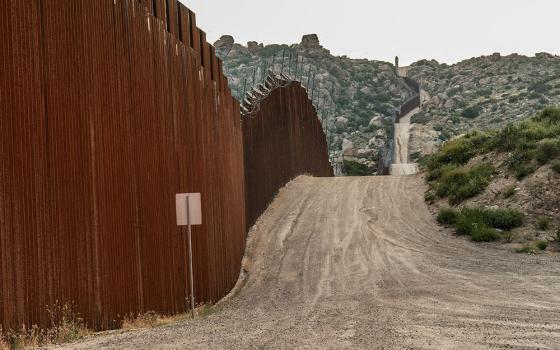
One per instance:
(310, 41)
(357, 97)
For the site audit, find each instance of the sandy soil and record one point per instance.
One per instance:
(401, 165)
(350, 263)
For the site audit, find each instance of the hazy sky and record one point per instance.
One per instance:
(446, 30)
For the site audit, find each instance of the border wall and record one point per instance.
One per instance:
(108, 109)
(283, 138)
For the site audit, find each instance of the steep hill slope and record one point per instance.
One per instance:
(481, 93)
(512, 175)
(356, 97)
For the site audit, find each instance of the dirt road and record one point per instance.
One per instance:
(360, 263)
(401, 165)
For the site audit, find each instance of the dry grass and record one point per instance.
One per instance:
(66, 326)
(4, 345)
(69, 327)
(152, 319)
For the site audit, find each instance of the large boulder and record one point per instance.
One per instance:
(348, 148)
(364, 153)
(310, 41)
(376, 121)
(450, 104)
(224, 44)
(238, 51)
(254, 47)
(341, 123)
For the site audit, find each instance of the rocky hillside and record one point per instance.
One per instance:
(505, 183)
(481, 93)
(356, 97)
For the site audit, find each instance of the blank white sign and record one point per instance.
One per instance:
(195, 215)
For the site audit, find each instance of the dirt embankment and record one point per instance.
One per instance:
(346, 263)
(537, 196)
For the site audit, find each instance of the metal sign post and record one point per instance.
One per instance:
(189, 213)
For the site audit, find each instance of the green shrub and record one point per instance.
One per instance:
(543, 223)
(509, 191)
(485, 234)
(460, 151)
(538, 87)
(557, 238)
(547, 150)
(505, 219)
(430, 196)
(527, 249)
(460, 184)
(556, 167)
(436, 173)
(480, 223)
(471, 112)
(484, 92)
(447, 216)
(542, 245)
(551, 115)
(356, 169)
(468, 220)
(520, 162)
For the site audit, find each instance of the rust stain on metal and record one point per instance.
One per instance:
(108, 109)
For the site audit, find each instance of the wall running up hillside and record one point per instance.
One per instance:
(108, 109)
(283, 138)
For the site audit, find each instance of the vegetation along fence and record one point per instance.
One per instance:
(109, 108)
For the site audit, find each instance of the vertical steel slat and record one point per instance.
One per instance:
(106, 114)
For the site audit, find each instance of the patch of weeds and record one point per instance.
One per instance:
(66, 326)
(485, 234)
(460, 151)
(508, 236)
(547, 150)
(151, 319)
(206, 310)
(482, 224)
(447, 216)
(509, 191)
(147, 319)
(521, 164)
(438, 172)
(505, 219)
(543, 223)
(471, 112)
(461, 183)
(556, 167)
(551, 115)
(542, 245)
(4, 345)
(430, 196)
(557, 238)
(526, 249)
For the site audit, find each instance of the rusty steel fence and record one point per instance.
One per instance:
(283, 138)
(386, 154)
(108, 109)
